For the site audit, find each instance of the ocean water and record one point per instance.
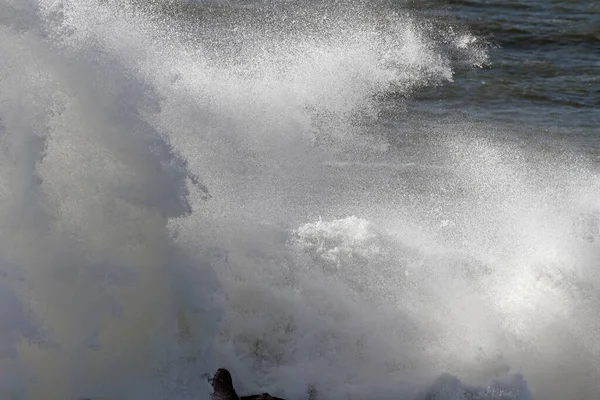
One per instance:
(377, 200)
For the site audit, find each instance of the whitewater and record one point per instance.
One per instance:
(244, 185)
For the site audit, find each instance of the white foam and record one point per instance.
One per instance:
(159, 217)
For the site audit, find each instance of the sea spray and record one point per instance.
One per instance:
(186, 188)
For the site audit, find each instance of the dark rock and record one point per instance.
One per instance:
(222, 384)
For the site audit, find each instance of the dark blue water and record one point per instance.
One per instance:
(543, 71)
